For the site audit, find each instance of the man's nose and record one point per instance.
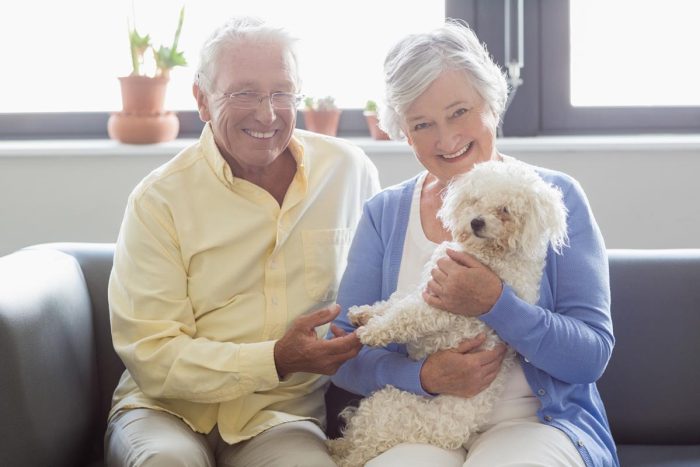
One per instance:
(264, 112)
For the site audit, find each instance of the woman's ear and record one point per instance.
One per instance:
(407, 133)
(202, 103)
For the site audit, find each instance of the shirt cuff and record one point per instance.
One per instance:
(258, 360)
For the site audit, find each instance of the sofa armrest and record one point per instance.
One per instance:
(651, 387)
(48, 382)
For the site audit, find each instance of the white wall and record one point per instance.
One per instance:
(644, 193)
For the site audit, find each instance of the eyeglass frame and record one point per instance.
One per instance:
(260, 96)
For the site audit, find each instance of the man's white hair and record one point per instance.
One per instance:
(235, 31)
(418, 59)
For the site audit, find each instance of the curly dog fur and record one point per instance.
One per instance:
(506, 216)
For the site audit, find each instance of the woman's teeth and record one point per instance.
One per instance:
(260, 135)
(458, 153)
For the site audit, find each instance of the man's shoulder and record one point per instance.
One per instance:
(164, 174)
(319, 144)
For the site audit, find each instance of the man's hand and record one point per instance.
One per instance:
(300, 349)
(463, 371)
(462, 285)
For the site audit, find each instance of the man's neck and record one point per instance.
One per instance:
(274, 178)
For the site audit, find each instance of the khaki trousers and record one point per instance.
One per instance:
(521, 442)
(152, 438)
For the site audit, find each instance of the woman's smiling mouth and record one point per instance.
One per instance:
(458, 153)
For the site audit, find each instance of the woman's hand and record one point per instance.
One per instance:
(462, 285)
(463, 371)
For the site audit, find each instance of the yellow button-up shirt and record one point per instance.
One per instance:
(209, 271)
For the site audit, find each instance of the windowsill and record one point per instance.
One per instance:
(540, 144)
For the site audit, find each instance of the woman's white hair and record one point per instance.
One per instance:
(418, 59)
(235, 31)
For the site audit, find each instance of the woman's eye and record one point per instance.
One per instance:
(420, 126)
(459, 112)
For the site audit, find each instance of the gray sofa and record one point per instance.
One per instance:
(58, 368)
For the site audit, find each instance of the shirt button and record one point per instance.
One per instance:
(547, 418)
(527, 361)
(580, 443)
(541, 392)
(274, 301)
(273, 264)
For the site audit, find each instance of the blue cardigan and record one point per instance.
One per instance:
(563, 342)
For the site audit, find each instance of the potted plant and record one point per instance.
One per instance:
(370, 114)
(321, 115)
(143, 119)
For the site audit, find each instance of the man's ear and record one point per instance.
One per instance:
(202, 103)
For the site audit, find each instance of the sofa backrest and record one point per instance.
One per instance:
(651, 387)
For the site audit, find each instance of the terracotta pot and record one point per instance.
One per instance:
(142, 119)
(322, 121)
(143, 129)
(373, 125)
(143, 95)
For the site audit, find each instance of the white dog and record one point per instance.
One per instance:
(506, 216)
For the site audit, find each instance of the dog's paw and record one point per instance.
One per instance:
(360, 315)
(372, 337)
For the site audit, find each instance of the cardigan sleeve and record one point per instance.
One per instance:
(363, 283)
(568, 334)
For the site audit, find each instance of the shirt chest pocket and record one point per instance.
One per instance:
(325, 257)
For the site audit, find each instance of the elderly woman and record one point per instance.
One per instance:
(445, 95)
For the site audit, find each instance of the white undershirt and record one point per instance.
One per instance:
(517, 400)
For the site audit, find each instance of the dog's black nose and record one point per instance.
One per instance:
(477, 224)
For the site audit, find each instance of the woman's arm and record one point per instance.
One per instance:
(572, 341)
(362, 283)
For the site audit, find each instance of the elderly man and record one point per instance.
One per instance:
(223, 255)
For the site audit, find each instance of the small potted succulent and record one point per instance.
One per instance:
(143, 119)
(321, 115)
(370, 114)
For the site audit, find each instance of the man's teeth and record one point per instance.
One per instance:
(257, 134)
(458, 153)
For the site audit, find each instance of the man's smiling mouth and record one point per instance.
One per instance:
(260, 134)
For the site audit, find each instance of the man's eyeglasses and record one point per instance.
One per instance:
(251, 100)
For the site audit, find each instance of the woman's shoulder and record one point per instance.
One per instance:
(560, 179)
(394, 193)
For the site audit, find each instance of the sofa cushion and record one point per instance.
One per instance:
(658, 456)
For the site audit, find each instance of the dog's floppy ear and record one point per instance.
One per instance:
(453, 202)
(552, 214)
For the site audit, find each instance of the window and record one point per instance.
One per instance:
(599, 66)
(619, 66)
(68, 61)
(590, 66)
(651, 63)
